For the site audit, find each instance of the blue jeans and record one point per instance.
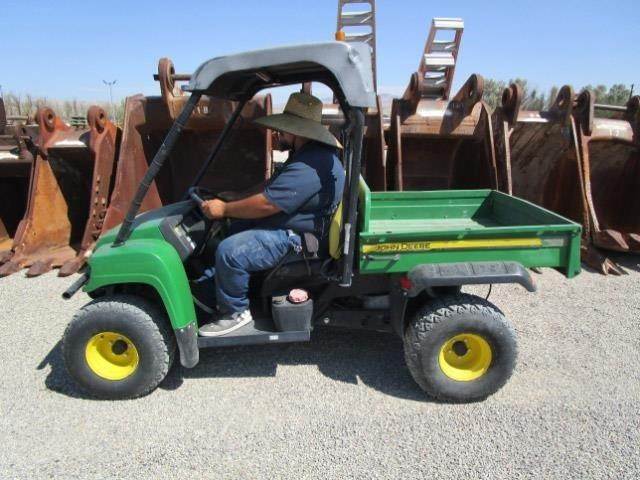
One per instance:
(242, 253)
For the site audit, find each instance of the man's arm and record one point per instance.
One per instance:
(253, 207)
(232, 196)
(288, 191)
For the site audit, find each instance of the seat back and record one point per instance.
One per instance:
(335, 229)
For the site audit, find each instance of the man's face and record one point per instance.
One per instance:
(286, 141)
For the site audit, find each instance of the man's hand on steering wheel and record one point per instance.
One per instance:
(253, 207)
(213, 209)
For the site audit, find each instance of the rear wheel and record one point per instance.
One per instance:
(119, 347)
(460, 348)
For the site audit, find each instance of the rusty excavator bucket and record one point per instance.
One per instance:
(610, 157)
(374, 149)
(16, 159)
(244, 162)
(436, 142)
(537, 154)
(547, 157)
(69, 187)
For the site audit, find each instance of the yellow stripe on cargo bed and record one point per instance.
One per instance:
(452, 245)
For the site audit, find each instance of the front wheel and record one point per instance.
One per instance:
(119, 347)
(460, 348)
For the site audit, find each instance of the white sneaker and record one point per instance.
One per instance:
(226, 324)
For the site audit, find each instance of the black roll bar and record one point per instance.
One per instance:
(163, 154)
(351, 198)
(221, 139)
(158, 160)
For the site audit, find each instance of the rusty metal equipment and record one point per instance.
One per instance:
(245, 162)
(375, 148)
(437, 142)
(69, 188)
(610, 158)
(537, 155)
(438, 62)
(81, 181)
(16, 158)
(570, 162)
(538, 158)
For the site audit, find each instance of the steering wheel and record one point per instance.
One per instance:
(196, 194)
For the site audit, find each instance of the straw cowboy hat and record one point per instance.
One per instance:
(302, 117)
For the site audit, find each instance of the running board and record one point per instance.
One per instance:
(262, 332)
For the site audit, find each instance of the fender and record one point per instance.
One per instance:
(424, 277)
(156, 263)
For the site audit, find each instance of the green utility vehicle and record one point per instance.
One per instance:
(395, 261)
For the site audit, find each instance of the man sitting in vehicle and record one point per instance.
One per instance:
(300, 198)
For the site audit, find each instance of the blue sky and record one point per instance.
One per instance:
(64, 49)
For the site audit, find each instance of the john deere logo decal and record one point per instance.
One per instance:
(399, 247)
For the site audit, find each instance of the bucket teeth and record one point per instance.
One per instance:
(633, 239)
(70, 267)
(610, 267)
(611, 240)
(40, 267)
(595, 260)
(78, 158)
(5, 256)
(9, 268)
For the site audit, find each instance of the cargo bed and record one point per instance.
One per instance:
(400, 230)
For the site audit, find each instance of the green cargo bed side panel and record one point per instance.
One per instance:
(405, 229)
(148, 261)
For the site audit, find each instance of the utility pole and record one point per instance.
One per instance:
(110, 85)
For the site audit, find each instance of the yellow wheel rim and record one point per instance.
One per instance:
(465, 357)
(111, 356)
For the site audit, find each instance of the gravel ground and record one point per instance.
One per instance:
(343, 405)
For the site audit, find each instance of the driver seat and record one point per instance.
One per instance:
(311, 248)
(314, 256)
(315, 253)
(311, 265)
